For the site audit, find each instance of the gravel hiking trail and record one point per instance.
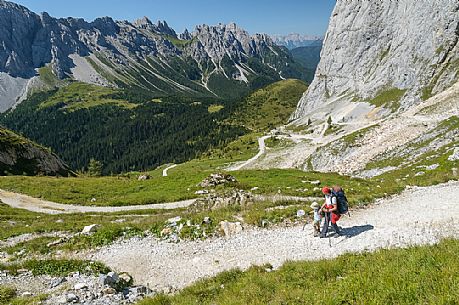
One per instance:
(417, 216)
(261, 151)
(25, 202)
(20, 201)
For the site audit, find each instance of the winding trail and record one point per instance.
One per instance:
(418, 216)
(20, 201)
(167, 169)
(261, 151)
(25, 202)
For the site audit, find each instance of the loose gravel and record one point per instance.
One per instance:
(418, 216)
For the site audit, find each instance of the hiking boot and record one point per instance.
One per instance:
(336, 229)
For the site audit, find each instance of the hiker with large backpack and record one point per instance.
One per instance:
(332, 209)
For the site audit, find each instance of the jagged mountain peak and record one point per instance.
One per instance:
(186, 35)
(143, 22)
(148, 55)
(160, 27)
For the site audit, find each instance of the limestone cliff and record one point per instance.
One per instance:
(382, 56)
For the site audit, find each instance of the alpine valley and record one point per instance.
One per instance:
(201, 167)
(132, 95)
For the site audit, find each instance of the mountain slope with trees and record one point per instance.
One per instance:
(19, 155)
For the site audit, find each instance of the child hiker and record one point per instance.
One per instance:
(317, 218)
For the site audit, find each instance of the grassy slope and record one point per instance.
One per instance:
(270, 106)
(79, 95)
(419, 275)
(182, 180)
(180, 184)
(10, 138)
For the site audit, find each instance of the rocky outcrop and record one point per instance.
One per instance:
(149, 55)
(386, 54)
(217, 179)
(216, 201)
(20, 156)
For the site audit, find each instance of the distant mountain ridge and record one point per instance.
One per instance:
(295, 40)
(221, 60)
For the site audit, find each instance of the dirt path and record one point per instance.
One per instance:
(418, 216)
(167, 169)
(25, 202)
(20, 201)
(261, 151)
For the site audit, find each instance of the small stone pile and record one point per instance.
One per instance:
(214, 201)
(217, 179)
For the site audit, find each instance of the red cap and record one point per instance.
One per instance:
(326, 190)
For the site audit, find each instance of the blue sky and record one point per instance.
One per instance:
(257, 16)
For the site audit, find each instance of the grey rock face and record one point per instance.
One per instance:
(18, 27)
(227, 49)
(373, 46)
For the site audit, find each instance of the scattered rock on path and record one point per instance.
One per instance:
(90, 229)
(174, 220)
(72, 298)
(202, 192)
(230, 228)
(56, 282)
(109, 290)
(81, 286)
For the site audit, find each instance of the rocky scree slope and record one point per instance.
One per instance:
(140, 55)
(20, 156)
(384, 55)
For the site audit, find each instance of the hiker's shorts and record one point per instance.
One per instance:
(335, 217)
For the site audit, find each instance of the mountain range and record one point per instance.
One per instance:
(295, 40)
(38, 51)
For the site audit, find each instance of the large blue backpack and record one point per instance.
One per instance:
(341, 200)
